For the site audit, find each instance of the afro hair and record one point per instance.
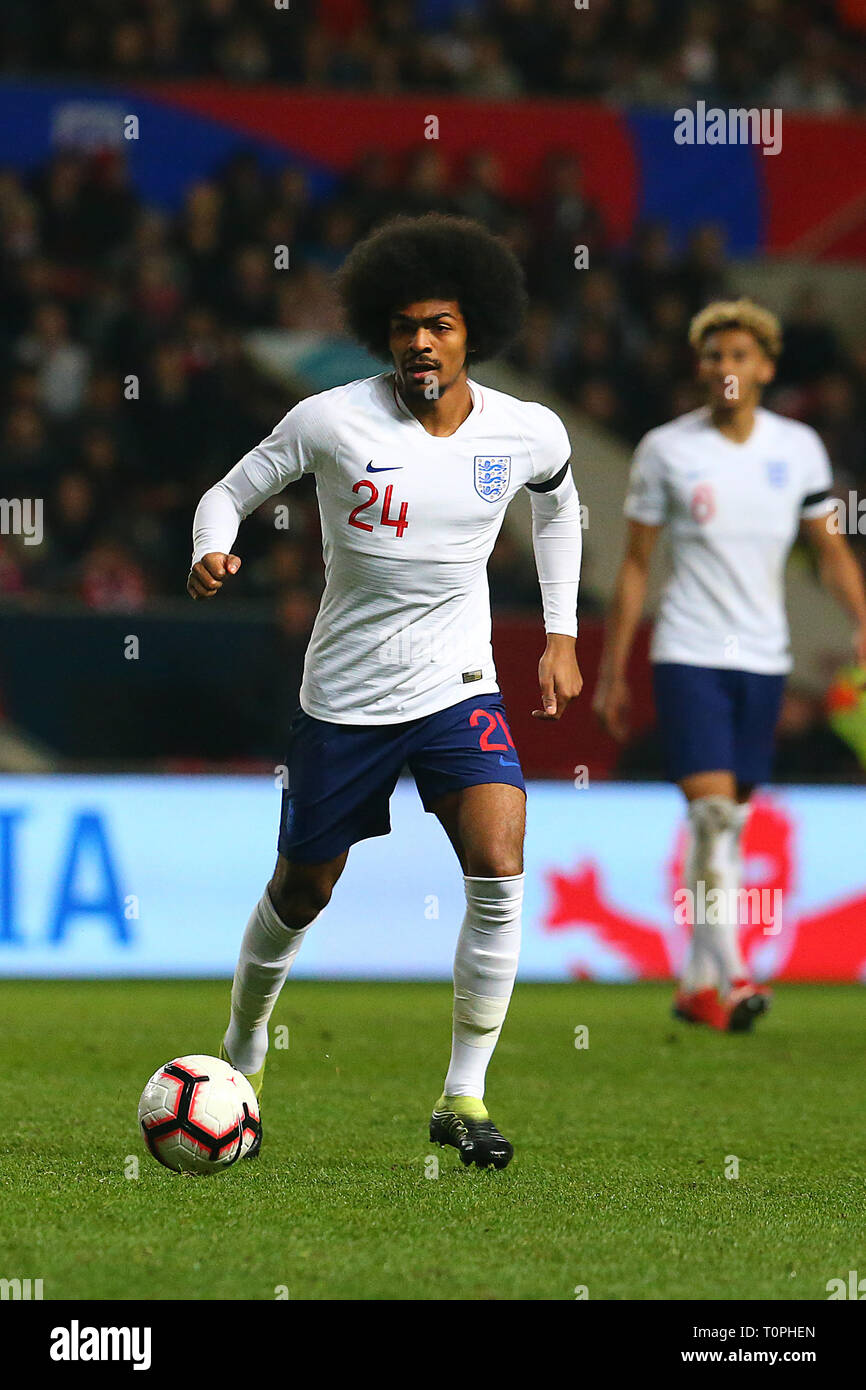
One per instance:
(436, 256)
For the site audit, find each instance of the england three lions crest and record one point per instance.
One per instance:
(491, 476)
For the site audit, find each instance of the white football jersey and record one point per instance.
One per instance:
(408, 523)
(732, 512)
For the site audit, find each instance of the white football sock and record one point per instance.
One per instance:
(485, 966)
(266, 955)
(741, 815)
(713, 861)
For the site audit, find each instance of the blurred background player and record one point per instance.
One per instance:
(414, 470)
(734, 484)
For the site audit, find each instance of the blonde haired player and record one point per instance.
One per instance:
(734, 484)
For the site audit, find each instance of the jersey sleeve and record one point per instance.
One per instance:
(292, 449)
(557, 541)
(297, 445)
(646, 499)
(551, 450)
(817, 480)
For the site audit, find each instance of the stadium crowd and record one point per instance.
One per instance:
(126, 389)
(799, 54)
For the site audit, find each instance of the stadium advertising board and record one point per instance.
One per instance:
(156, 876)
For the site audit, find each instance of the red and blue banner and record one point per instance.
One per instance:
(809, 199)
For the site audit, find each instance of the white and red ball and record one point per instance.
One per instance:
(198, 1115)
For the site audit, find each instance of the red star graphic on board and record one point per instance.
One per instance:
(829, 944)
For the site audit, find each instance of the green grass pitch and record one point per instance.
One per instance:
(618, 1185)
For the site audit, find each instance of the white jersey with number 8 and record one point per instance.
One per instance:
(732, 512)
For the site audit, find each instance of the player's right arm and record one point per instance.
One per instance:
(612, 701)
(287, 453)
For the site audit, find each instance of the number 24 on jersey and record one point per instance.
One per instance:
(386, 519)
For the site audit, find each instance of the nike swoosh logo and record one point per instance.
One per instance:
(395, 469)
(508, 762)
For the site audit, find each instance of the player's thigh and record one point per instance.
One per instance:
(299, 892)
(697, 721)
(486, 826)
(468, 773)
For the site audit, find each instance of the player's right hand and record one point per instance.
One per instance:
(207, 574)
(612, 704)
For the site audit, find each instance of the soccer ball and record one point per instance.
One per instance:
(198, 1115)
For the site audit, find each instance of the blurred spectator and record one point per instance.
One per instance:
(26, 459)
(811, 343)
(73, 523)
(838, 417)
(61, 366)
(563, 218)
(371, 188)
(480, 192)
(424, 186)
(111, 579)
(703, 273)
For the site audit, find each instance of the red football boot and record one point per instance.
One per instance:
(746, 1002)
(702, 1006)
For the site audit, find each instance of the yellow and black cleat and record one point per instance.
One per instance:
(464, 1124)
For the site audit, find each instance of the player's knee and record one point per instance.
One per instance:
(712, 815)
(495, 862)
(297, 899)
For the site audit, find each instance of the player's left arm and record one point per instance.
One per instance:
(839, 572)
(557, 544)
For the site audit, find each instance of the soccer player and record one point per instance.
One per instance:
(414, 470)
(734, 484)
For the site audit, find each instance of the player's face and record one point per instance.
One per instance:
(733, 368)
(428, 344)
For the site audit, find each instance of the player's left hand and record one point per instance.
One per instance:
(859, 643)
(558, 676)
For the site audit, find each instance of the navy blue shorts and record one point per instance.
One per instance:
(341, 776)
(714, 718)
